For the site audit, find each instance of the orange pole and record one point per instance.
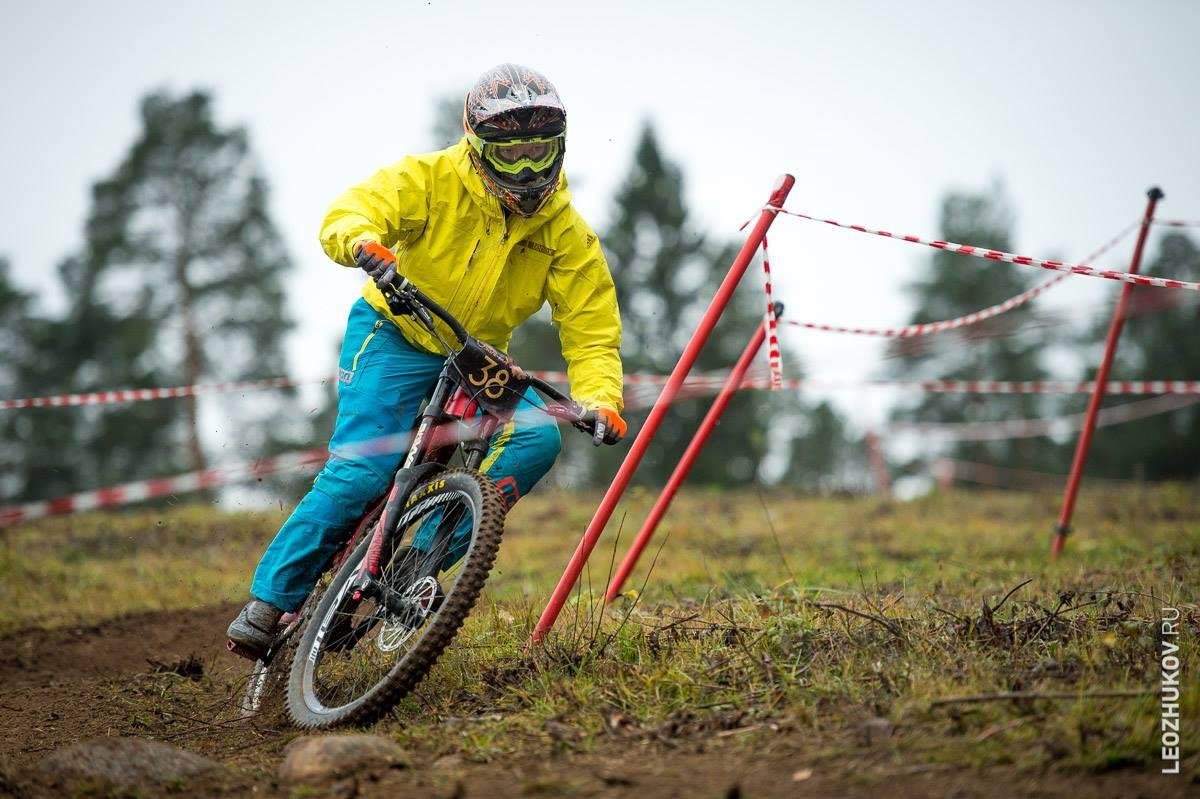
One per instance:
(732, 384)
(1063, 527)
(883, 481)
(609, 503)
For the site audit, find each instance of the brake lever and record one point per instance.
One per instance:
(401, 301)
(423, 314)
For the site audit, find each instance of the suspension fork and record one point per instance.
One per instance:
(434, 413)
(475, 450)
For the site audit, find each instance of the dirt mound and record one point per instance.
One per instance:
(69, 685)
(118, 646)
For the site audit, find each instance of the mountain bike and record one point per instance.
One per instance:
(397, 592)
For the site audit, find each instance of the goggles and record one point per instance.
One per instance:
(512, 157)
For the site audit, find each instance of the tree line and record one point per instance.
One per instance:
(169, 287)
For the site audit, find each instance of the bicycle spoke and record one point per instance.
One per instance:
(363, 640)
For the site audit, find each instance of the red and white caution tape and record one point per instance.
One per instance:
(972, 318)
(1124, 387)
(1007, 257)
(310, 460)
(696, 383)
(139, 394)
(303, 460)
(1048, 386)
(142, 490)
(1035, 428)
(946, 469)
(925, 329)
(774, 359)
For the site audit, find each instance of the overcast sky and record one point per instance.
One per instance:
(876, 108)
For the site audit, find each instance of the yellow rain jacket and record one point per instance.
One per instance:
(451, 239)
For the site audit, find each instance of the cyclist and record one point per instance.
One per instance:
(485, 228)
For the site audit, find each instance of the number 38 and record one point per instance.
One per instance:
(492, 377)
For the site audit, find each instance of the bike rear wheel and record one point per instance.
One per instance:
(361, 654)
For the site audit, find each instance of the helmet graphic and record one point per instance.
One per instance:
(516, 126)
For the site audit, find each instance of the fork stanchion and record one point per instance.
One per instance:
(609, 503)
(732, 384)
(1063, 527)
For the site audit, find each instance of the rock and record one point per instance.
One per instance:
(314, 758)
(563, 733)
(873, 732)
(125, 762)
(344, 789)
(448, 762)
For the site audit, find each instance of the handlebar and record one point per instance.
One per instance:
(407, 294)
(562, 407)
(406, 297)
(568, 410)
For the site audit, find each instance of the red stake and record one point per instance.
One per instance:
(732, 384)
(883, 480)
(607, 505)
(1063, 527)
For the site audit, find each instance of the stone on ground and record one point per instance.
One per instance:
(124, 762)
(314, 758)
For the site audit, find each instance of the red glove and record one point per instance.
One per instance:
(607, 426)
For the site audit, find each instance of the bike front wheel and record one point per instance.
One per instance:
(363, 651)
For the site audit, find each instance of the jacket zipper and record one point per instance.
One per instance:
(475, 293)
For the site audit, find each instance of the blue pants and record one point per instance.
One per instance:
(382, 380)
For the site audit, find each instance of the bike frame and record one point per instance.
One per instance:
(477, 392)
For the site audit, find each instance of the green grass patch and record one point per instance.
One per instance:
(837, 627)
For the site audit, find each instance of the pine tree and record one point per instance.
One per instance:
(42, 456)
(15, 330)
(825, 457)
(181, 280)
(1157, 343)
(666, 272)
(447, 127)
(997, 349)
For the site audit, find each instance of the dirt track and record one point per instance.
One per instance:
(59, 685)
(72, 684)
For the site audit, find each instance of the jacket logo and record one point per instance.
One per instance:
(533, 245)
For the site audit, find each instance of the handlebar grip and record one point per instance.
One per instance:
(598, 432)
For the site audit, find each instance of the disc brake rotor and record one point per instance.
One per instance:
(395, 631)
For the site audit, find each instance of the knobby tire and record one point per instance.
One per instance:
(437, 631)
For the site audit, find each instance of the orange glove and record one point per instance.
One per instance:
(607, 426)
(377, 261)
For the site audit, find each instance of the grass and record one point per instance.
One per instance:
(770, 623)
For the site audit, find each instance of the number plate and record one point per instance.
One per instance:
(489, 377)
